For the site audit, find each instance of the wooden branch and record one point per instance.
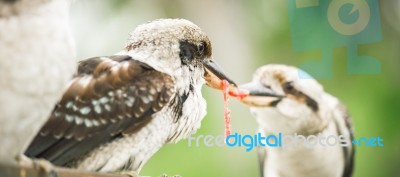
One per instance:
(7, 170)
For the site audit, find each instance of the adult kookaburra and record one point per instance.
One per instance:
(302, 107)
(36, 64)
(119, 110)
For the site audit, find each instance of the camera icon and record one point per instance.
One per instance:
(327, 24)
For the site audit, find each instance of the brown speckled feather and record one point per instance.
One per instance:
(109, 96)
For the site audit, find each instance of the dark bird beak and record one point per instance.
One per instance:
(214, 75)
(259, 96)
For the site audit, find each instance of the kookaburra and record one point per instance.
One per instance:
(37, 61)
(119, 110)
(300, 106)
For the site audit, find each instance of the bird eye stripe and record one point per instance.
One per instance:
(311, 103)
(289, 88)
(187, 51)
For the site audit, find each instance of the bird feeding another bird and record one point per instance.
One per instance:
(119, 110)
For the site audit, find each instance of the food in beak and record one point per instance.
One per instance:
(258, 95)
(238, 92)
(216, 78)
(227, 111)
(234, 92)
(214, 75)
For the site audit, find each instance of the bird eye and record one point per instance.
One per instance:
(288, 87)
(201, 47)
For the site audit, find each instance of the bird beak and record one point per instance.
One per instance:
(259, 96)
(214, 75)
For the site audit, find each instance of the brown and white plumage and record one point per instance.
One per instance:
(119, 110)
(299, 106)
(108, 97)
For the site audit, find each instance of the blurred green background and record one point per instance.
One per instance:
(246, 35)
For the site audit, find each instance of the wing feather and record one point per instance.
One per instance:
(108, 96)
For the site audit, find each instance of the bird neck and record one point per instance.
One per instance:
(192, 111)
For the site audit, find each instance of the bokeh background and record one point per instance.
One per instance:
(246, 35)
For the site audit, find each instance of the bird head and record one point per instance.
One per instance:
(179, 48)
(283, 102)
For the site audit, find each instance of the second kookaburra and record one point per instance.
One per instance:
(299, 106)
(119, 110)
